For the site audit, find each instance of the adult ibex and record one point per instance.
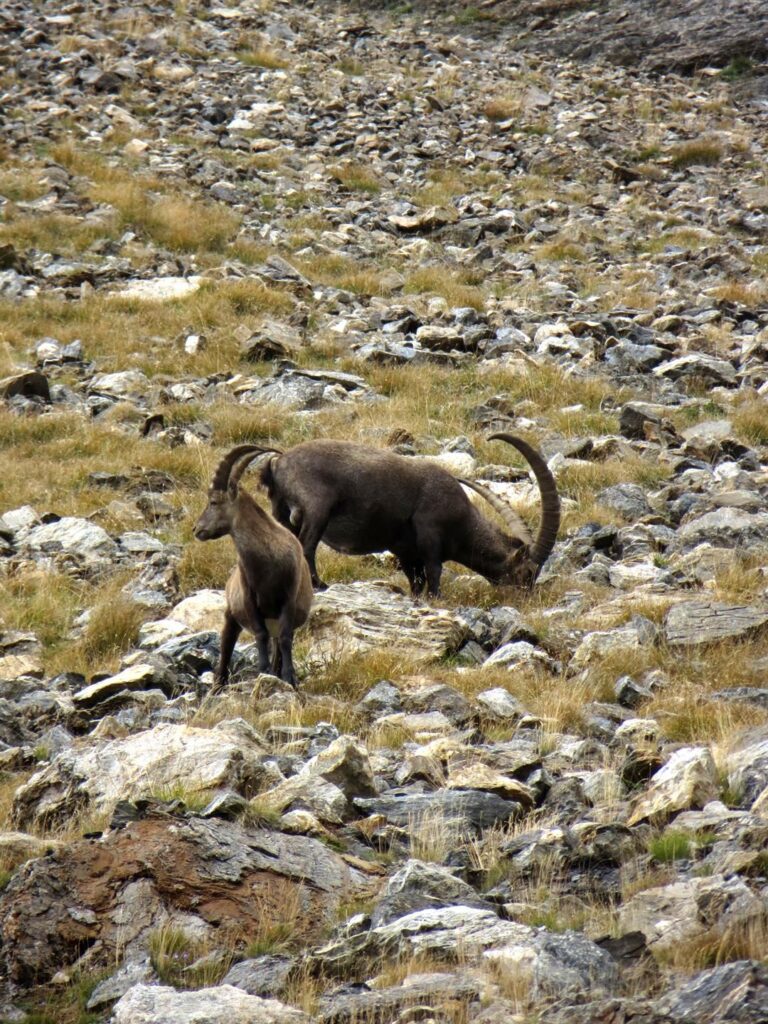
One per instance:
(360, 500)
(270, 589)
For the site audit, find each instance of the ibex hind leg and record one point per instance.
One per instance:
(310, 534)
(284, 651)
(229, 634)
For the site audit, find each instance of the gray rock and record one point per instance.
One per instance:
(136, 677)
(417, 993)
(71, 536)
(264, 976)
(464, 810)
(354, 617)
(420, 886)
(725, 527)
(150, 762)
(155, 1004)
(747, 764)
(688, 779)
(699, 366)
(116, 985)
(735, 992)
(382, 699)
(695, 623)
(698, 909)
(628, 500)
(30, 383)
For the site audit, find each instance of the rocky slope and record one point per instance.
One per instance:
(408, 227)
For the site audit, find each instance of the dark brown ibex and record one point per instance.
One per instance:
(270, 589)
(360, 500)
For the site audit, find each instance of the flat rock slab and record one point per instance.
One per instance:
(695, 623)
(349, 618)
(155, 1004)
(438, 990)
(206, 874)
(159, 289)
(464, 810)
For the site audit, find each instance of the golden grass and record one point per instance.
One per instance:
(356, 177)
(112, 628)
(750, 421)
(206, 565)
(503, 107)
(53, 232)
(174, 221)
(342, 272)
(456, 287)
(698, 152)
(186, 962)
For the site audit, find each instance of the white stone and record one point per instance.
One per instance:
(160, 289)
(74, 536)
(157, 760)
(225, 1004)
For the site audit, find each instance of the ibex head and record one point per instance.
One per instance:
(526, 555)
(216, 518)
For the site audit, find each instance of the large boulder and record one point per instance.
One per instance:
(175, 759)
(688, 779)
(349, 618)
(545, 964)
(747, 764)
(207, 876)
(694, 623)
(155, 1004)
(698, 910)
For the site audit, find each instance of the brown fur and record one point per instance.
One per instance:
(269, 592)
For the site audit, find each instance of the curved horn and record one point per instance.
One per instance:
(224, 468)
(515, 524)
(550, 500)
(241, 466)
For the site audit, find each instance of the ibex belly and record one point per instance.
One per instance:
(242, 609)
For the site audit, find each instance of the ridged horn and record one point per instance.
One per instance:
(223, 472)
(516, 525)
(241, 466)
(550, 500)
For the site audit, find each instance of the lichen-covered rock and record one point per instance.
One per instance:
(697, 909)
(152, 1004)
(354, 617)
(163, 759)
(199, 875)
(694, 623)
(688, 779)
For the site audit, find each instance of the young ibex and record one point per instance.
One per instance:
(361, 500)
(270, 589)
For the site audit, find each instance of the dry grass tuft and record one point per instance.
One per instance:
(698, 152)
(356, 177)
(750, 421)
(458, 288)
(503, 108)
(174, 221)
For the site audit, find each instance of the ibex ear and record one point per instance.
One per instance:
(232, 489)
